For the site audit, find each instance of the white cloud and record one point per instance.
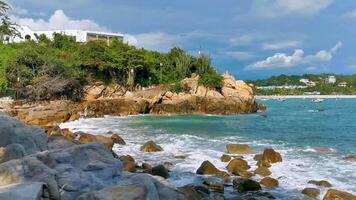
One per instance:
(277, 8)
(282, 60)
(242, 40)
(351, 14)
(59, 20)
(18, 10)
(240, 55)
(281, 45)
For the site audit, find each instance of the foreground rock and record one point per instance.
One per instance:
(320, 183)
(85, 138)
(338, 195)
(55, 168)
(239, 149)
(246, 185)
(271, 156)
(207, 168)
(350, 158)
(160, 170)
(311, 192)
(238, 166)
(151, 146)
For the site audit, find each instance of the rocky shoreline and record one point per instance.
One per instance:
(236, 97)
(60, 164)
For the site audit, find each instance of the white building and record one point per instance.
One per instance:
(330, 80)
(308, 82)
(81, 36)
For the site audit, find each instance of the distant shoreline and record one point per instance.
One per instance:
(306, 96)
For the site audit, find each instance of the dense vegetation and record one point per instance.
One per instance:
(46, 69)
(321, 86)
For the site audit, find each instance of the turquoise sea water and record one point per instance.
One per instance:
(312, 139)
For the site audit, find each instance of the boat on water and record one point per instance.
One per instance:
(264, 99)
(317, 100)
(281, 99)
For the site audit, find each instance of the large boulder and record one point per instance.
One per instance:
(233, 88)
(338, 195)
(18, 140)
(271, 156)
(239, 149)
(191, 84)
(246, 185)
(67, 172)
(25, 191)
(151, 146)
(85, 138)
(237, 164)
(263, 171)
(269, 182)
(207, 168)
(160, 170)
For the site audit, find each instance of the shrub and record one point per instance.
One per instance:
(211, 79)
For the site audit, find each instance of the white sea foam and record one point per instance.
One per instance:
(298, 166)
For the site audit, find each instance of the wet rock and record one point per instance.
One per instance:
(68, 134)
(243, 173)
(258, 157)
(321, 183)
(245, 185)
(207, 168)
(192, 192)
(127, 158)
(160, 170)
(239, 149)
(269, 182)
(146, 167)
(263, 171)
(270, 155)
(85, 138)
(116, 138)
(262, 163)
(180, 157)
(225, 158)
(25, 191)
(151, 146)
(311, 192)
(214, 184)
(256, 195)
(338, 195)
(350, 158)
(129, 166)
(236, 165)
(11, 151)
(168, 165)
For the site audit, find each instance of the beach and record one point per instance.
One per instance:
(306, 96)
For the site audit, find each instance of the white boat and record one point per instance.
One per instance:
(317, 100)
(281, 99)
(264, 99)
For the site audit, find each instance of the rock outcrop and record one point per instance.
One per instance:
(239, 149)
(42, 167)
(338, 195)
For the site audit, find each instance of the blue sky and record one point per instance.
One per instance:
(250, 38)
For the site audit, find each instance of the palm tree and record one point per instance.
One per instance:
(6, 26)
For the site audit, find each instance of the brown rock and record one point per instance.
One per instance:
(180, 157)
(129, 166)
(116, 138)
(238, 149)
(127, 158)
(214, 94)
(151, 146)
(207, 168)
(69, 134)
(269, 182)
(338, 195)
(258, 157)
(245, 185)
(214, 184)
(311, 192)
(263, 171)
(350, 158)
(321, 183)
(237, 165)
(88, 138)
(243, 173)
(94, 92)
(146, 167)
(225, 158)
(271, 156)
(262, 163)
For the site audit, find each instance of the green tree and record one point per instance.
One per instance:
(6, 26)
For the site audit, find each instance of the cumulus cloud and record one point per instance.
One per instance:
(240, 55)
(282, 60)
(59, 20)
(277, 8)
(281, 45)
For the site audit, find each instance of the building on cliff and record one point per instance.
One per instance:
(81, 36)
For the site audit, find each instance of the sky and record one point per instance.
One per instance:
(252, 39)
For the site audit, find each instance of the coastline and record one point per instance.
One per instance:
(305, 96)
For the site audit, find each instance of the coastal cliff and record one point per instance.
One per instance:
(235, 97)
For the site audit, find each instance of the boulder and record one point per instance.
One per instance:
(239, 149)
(225, 158)
(25, 191)
(85, 138)
(214, 184)
(263, 171)
(246, 185)
(237, 165)
(116, 138)
(127, 158)
(269, 182)
(151, 146)
(207, 168)
(180, 157)
(147, 168)
(271, 156)
(93, 92)
(190, 85)
(321, 183)
(258, 157)
(192, 192)
(67, 172)
(338, 195)
(311, 192)
(214, 94)
(129, 166)
(263, 163)
(201, 91)
(160, 170)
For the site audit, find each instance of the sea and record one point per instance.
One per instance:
(311, 137)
